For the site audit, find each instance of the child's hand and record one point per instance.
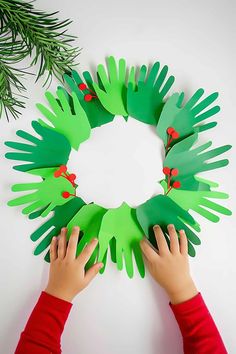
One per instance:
(170, 268)
(67, 275)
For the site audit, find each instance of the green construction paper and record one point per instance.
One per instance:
(185, 119)
(121, 223)
(52, 227)
(199, 202)
(162, 210)
(46, 193)
(96, 113)
(113, 96)
(191, 162)
(71, 122)
(53, 149)
(145, 100)
(89, 219)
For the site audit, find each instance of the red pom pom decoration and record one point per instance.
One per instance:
(176, 184)
(82, 86)
(175, 135)
(166, 171)
(65, 194)
(170, 130)
(88, 97)
(174, 172)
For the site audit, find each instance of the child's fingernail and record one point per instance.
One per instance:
(100, 265)
(95, 240)
(156, 227)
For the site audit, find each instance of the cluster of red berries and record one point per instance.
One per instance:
(171, 172)
(62, 172)
(172, 135)
(88, 96)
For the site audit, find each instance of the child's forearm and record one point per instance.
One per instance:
(42, 334)
(200, 334)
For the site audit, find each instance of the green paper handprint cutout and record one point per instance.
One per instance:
(52, 227)
(47, 193)
(185, 118)
(113, 96)
(71, 122)
(50, 151)
(96, 113)
(199, 201)
(89, 220)
(161, 210)
(191, 162)
(122, 225)
(145, 100)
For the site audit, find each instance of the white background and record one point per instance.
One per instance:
(115, 314)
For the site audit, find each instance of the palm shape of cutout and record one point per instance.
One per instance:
(61, 216)
(50, 151)
(122, 225)
(199, 201)
(185, 119)
(191, 162)
(96, 113)
(145, 100)
(70, 121)
(162, 210)
(47, 193)
(113, 96)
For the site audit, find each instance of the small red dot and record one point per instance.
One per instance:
(174, 172)
(166, 170)
(176, 184)
(88, 97)
(82, 86)
(175, 135)
(72, 177)
(170, 130)
(65, 195)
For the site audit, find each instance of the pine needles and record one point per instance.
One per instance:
(24, 32)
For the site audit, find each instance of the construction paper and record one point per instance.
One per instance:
(113, 96)
(46, 193)
(189, 161)
(51, 150)
(162, 210)
(73, 124)
(185, 119)
(52, 227)
(199, 201)
(96, 113)
(145, 99)
(121, 223)
(89, 219)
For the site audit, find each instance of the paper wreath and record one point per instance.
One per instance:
(88, 104)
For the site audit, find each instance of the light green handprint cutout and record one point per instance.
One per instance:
(121, 223)
(71, 122)
(47, 193)
(113, 97)
(199, 201)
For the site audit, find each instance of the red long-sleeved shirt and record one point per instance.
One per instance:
(42, 334)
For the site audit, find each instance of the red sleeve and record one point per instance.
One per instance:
(42, 334)
(200, 334)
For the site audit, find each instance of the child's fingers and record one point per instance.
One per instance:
(161, 241)
(87, 252)
(149, 253)
(72, 244)
(53, 249)
(174, 243)
(62, 244)
(92, 272)
(183, 242)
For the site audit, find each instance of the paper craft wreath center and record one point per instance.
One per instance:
(84, 104)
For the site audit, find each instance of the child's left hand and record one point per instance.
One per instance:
(67, 275)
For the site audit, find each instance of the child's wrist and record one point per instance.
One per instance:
(59, 294)
(187, 292)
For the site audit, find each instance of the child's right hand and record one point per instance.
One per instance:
(170, 267)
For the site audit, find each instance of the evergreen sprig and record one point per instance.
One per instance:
(25, 31)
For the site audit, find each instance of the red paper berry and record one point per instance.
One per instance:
(57, 173)
(174, 172)
(175, 135)
(176, 184)
(88, 97)
(72, 177)
(65, 194)
(170, 130)
(63, 168)
(82, 86)
(166, 170)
